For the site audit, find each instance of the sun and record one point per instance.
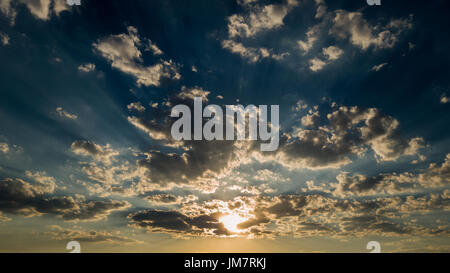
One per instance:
(231, 222)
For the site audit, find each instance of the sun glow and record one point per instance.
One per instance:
(231, 222)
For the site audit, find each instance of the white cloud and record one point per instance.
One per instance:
(377, 68)
(311, 38)
(259, 19)
(104, 154)
(445, 99)
(353, 26)
(60, 6)
(332, 53)
(153, 48)
(123, 53)
(4, 38)
(40, 9)
(137, 106)
(316, 64)
(311, 120)
(7, 9)
(88, 67)
(251, 53)
(65, 115)
(4, 147)
(321, 9)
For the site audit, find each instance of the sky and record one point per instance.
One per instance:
(86, 151)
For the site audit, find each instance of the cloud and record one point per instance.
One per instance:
(350, 130)
(330, 53)
(87, 67)
(361, 185)
(44, 183)
(4, 147)
(65, 115)
(8, 10)
(163, 199)
(311, 38)
(176, 222)
(259, 19)
(321, 9)
(311, 120)
(253, 54)
(353, 26)
(123, 52)
(7, 148)
(436, 175)
(136, 106)
(377, 68)
(153, 48)
(40, 9)
(104, 154)
(20, 197)
(445, 99)
(316, 64)
(92, 236)
(298, 215)
(4, 218)
(4, 38)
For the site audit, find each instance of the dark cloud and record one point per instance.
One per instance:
(349, 132)
(176, 222)
(20, 197)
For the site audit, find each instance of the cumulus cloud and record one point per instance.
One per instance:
(23, 198)
(7, 148)
(350, 130)
(353, 26)
(311, 38)
(259, 19)
(136, 106)
(153, 48)
(311, 120)
(104, 154)
(377, 68)
(330, 54)
(362, 185)
(296, 215)
(87, 67)
(40, 9)
(176, 222)
(445, 99)
(65, 115)
(196, 162)
(91, 236)
(4, 147)
(253, 54)
(316, 64)
(436, 175)
(4, 38)
(123, 52)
